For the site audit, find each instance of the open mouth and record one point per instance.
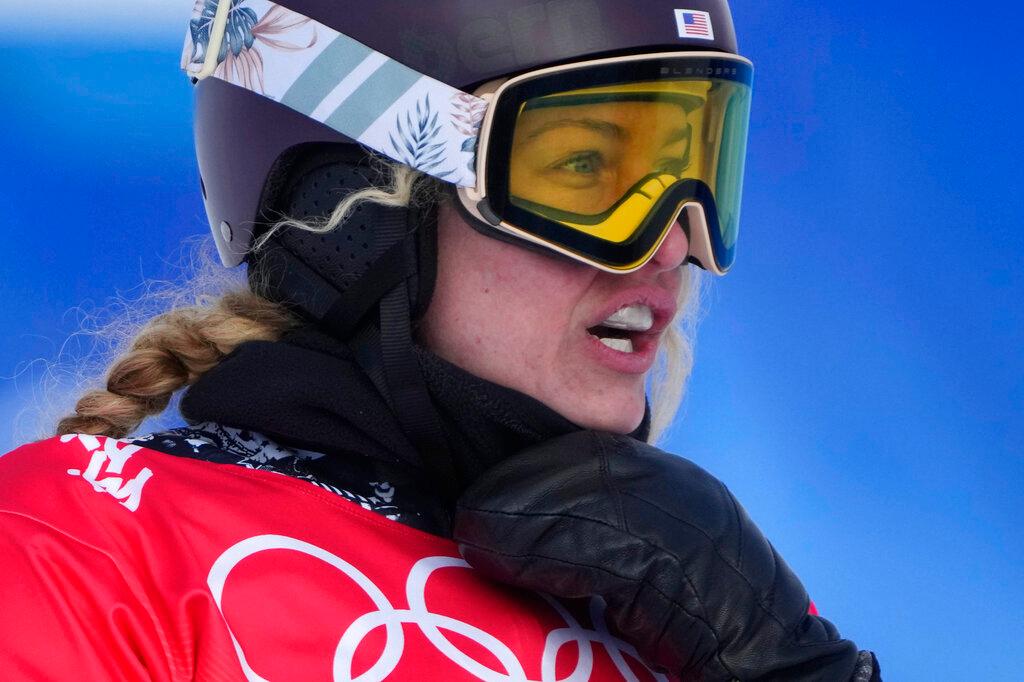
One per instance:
(624, 329)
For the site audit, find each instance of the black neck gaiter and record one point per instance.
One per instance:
(307, 391)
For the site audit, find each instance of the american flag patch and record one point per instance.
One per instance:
(694, 24)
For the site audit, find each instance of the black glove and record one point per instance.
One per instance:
(687, 577)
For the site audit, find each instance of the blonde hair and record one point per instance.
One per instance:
(667, 384)
(170, 352)
(175, 348)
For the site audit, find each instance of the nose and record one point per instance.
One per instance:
(673, 250)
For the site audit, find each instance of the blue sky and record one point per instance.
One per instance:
(859, 381)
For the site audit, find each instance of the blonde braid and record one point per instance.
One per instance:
(169, 353)
(173, 349)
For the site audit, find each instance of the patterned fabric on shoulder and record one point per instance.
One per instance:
(221, 444)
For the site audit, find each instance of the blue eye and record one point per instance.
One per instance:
(586, 163)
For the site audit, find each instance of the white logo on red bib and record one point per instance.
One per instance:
(430, 624)
(108, 457)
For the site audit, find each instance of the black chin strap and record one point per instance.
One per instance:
(385, 350)
(387, 356)
(360, 284)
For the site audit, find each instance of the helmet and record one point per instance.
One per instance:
(243, 136)
(290, 94)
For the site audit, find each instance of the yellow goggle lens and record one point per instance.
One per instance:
(597, 160)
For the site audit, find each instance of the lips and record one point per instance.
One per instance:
(617, 330)
(625, 338)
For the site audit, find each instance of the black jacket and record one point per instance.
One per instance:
(303, 407)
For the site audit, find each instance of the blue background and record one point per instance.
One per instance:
(859, 379)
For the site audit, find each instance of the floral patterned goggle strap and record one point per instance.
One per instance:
(332, 78)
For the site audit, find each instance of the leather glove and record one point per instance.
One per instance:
(687, 577)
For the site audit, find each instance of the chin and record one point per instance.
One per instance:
(622, 416)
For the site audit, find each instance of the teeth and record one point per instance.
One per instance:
(634, 318)
(621, 345)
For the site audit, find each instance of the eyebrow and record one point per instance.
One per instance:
(601, 127)
(605, 128)
(677, 135)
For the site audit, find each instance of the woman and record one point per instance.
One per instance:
(469, 363)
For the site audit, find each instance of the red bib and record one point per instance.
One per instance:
(120, 562)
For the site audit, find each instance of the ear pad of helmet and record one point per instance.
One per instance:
(309, 184)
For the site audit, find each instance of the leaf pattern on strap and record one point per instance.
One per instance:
(239, 58)
(421, 142)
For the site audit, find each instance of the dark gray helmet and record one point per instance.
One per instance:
(242, 139)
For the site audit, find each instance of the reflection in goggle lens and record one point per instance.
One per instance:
(597, 159)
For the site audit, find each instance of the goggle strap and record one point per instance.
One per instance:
(363, 94)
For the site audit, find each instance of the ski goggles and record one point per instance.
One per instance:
(598, 160)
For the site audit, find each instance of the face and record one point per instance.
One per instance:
(533, 322)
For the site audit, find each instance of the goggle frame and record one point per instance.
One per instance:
(700, 213)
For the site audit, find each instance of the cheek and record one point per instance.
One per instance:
(516, 318)
(500, 311)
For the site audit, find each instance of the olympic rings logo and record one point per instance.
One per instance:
(429, 623)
